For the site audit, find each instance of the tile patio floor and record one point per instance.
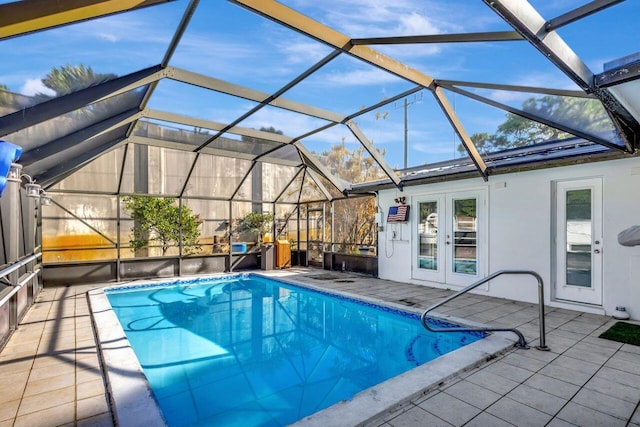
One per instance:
(51, 374)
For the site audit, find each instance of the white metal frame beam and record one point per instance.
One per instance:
(303, 24)
(28, 16)
(579, 13)
(450, 113)
(213, 125)
(496, 36)
(525, 19)
(355, 130)
(174, 145)
(222, 86)
(308, 156)
(293, 19)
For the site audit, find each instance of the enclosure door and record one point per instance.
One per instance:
(315, 238)
(450, 238)
(579, 241)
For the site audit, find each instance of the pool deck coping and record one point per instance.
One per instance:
(133, 402)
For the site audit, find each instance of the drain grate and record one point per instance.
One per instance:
(344, 281)
(325, 277)
(407, 301)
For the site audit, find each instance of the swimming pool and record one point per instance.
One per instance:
(246, 350)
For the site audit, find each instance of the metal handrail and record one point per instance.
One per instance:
(522, 343)
(13, 267)
(17, 288)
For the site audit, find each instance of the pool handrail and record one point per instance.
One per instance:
(522, 343)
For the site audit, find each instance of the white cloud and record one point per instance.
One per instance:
(304, 52)
(414, 23)
(123, 27)
(32, 87)
(374, 76)
(108, 37)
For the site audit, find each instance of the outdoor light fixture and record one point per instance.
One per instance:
(45, 200)
(15, 174)
(33, 189)
(15, 171)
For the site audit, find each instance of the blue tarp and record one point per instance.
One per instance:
(9, 153)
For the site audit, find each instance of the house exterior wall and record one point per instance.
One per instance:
(521, 232)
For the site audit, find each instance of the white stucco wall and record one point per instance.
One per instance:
(520, 220)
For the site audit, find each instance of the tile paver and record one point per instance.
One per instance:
(517, 413)
(52, 416)
(583, 416)
(520, 360)
(604, 403)
(8, 410)
(509, 371)
(537, 399)
(91, 407)
(557, 422)
(417, 417)
(635, 419)
(472, 394)
(485, 419)
(493, 382)
(614, 389)
(52, 365)
(449, 408)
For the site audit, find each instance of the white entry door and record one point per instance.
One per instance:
(579, 241)
(449, 237)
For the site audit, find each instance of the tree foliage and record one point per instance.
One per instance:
(7, 99)
(62, 80)
(158, 220)
(71, 78)
(352, 165)
(355, 217)
(259, 223)
(580, 113)
(355, 222)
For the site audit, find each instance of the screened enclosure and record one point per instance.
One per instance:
(92, 216)
(178, 137)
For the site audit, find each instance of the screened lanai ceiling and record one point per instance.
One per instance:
(315, 97)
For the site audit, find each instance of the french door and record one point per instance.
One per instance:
(578, 242)
(449, 243)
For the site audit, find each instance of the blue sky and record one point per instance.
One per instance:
(229, 43)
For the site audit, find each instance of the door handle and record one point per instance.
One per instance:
(596, 251)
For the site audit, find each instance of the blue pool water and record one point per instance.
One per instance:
(249, 351)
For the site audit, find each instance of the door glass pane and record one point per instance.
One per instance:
(428, 236)
(315, 238)
(465, 229)
(579, 233)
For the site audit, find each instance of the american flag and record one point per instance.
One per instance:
(398, 213)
